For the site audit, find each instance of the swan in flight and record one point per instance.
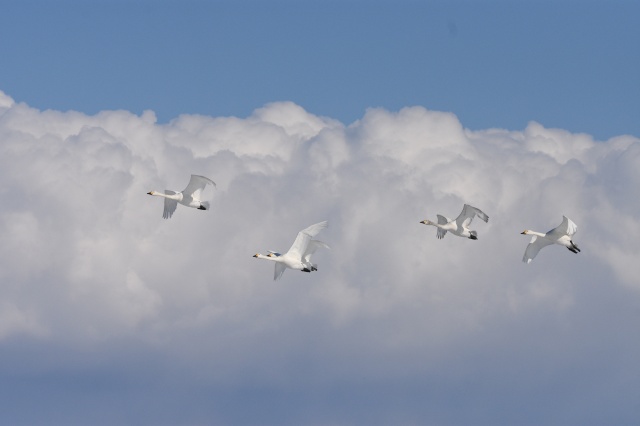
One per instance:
(299, 255)
(189, 197)
(559, 235)
(459, 226)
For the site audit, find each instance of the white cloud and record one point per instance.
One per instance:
(87, 257)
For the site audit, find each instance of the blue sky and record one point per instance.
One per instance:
(371, 115)
(565, 64)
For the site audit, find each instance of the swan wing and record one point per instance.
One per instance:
(301, 243)
(197, 185)
(313, 246)
(567, 227)
(442, 220)
(467, 214)
(169, 205)
(534, 247)
(278, 270)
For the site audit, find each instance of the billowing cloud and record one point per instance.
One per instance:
(405, 324)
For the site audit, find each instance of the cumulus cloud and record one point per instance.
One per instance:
(88, 262)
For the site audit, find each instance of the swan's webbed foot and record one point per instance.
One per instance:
(574, 247)
(313, 268)
(473, 237)
(306, 270)
(202, 208)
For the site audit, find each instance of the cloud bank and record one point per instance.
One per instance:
(100, 293)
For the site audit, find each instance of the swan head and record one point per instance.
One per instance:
(256, 255)
(151, 193)
(425, 222)
(525, 232)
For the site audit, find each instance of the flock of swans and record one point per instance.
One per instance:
(298, 257)
(459, 226)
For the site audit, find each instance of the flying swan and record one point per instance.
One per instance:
(559, 235)
(299, 255)
(459, 226)
(189, 197)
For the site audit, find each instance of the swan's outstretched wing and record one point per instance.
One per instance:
(442, 221)
(567, 227)
(467, 215)
(301, 243)
(534, 247)
(278, 270)
(311, 248)
(169, 205)
(197, 185)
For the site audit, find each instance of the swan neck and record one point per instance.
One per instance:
(262, 256)
(177, 197)
(428, 222)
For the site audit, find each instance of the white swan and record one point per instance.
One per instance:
(559, 235)
(189, 197)
(299, 255)
(459, 226)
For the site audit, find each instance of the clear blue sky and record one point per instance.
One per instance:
(567, 64)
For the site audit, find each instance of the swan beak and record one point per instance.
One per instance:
(423, 222)
(150, 193)
(523, 233)
(256, 255)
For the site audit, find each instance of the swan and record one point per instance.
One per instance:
(299, 255)
(560, 235)
(189, 197)
(459, 226)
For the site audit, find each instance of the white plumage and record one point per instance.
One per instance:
(459, 226)
(189, 197)
(299, 255)
(560, 235)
